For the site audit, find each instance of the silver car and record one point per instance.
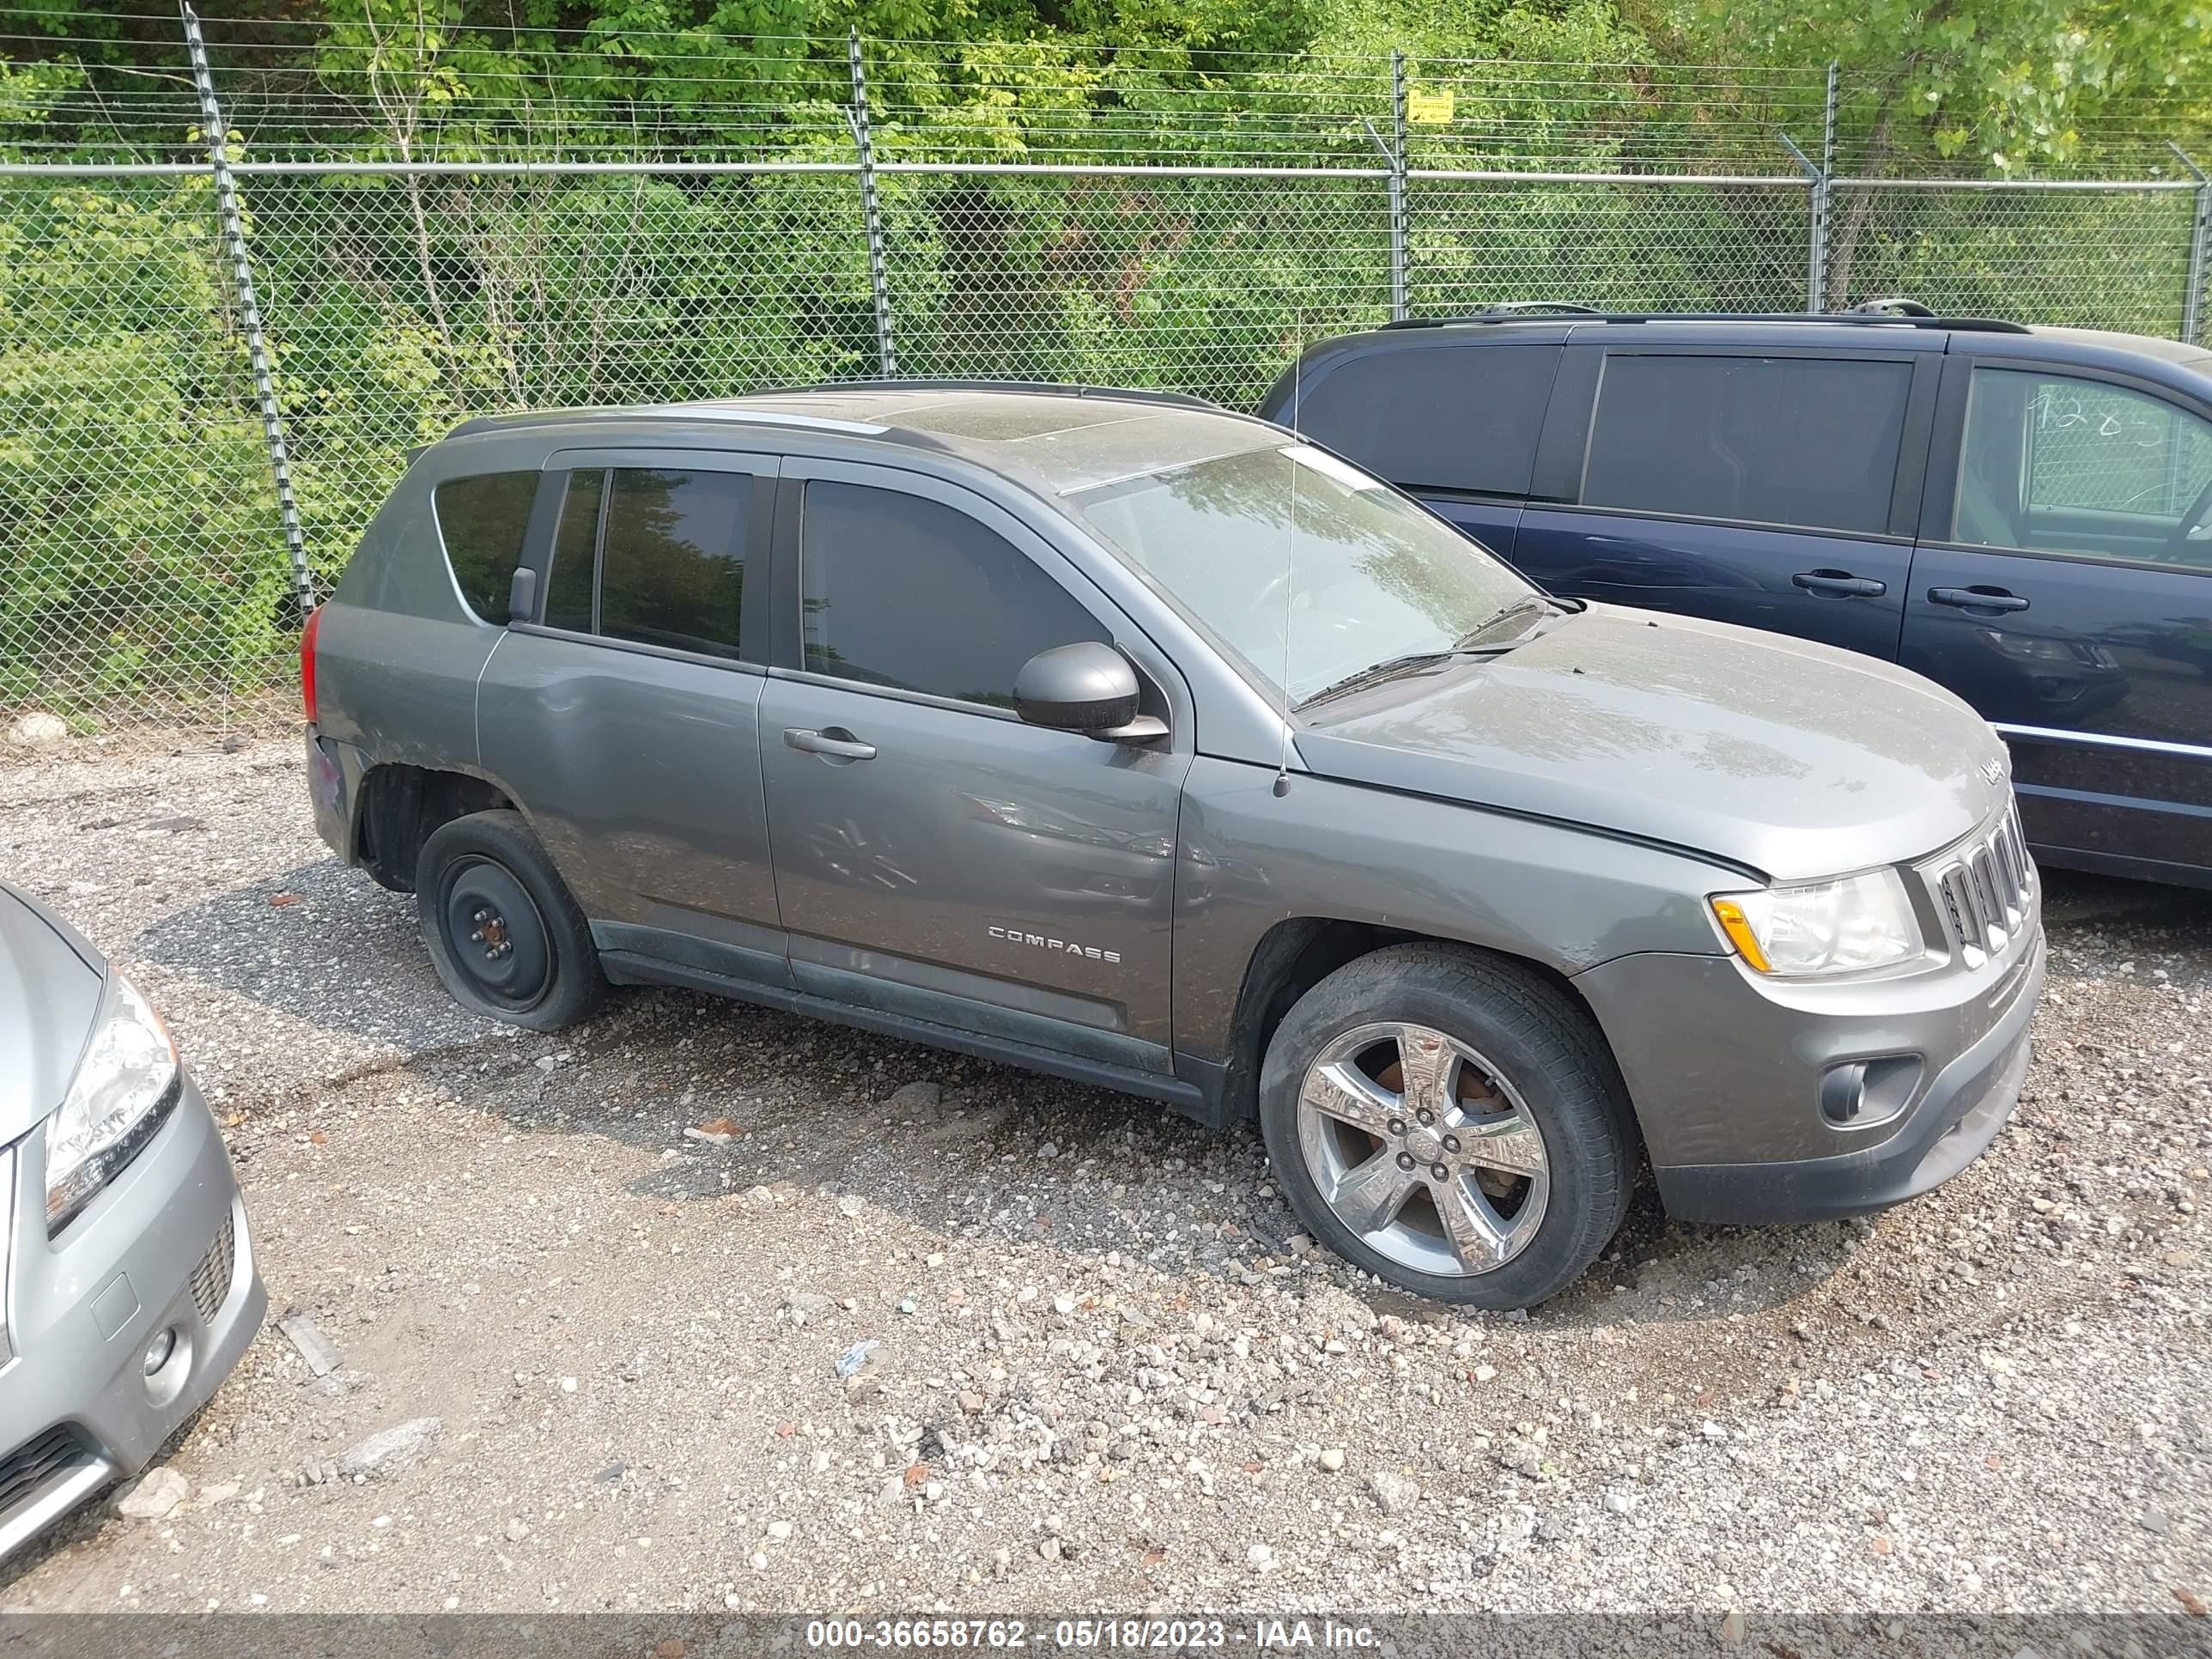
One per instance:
(1117, 736)
(131, 1287)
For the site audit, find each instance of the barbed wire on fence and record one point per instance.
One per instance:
(1104, 215)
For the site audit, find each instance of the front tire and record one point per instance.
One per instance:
(503, 932)
(1450, 1123)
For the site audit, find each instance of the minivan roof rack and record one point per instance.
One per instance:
(1045, 388)
(1878, 313)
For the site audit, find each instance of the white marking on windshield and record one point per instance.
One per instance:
(1329, 467)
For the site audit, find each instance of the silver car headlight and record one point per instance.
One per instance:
(1813, 928)
(125, 1087)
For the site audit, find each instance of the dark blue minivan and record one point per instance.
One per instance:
(2023, 514)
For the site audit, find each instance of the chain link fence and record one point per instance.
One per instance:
(1194, 246)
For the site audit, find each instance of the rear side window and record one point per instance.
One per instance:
(1784, 441)
(483, 522)
(901, 590)
(670, 557)
(1438, 417)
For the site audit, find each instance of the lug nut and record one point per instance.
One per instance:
(1427, 1115)
(476, 938)
(1397, 1125)
(1451, 1143)
(1405, 1160)
(1439, 1172)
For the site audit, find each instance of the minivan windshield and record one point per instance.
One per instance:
(1310, 570)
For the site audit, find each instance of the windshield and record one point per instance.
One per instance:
(1309, 568)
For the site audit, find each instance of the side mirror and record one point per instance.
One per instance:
(1087, 687)
(522, 596)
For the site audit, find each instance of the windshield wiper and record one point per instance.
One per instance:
(1374, 674)
(1469, 644)
(1473, 639)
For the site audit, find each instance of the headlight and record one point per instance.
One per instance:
(125, 1089)
(1821, 928)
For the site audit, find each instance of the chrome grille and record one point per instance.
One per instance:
(1986, 887)
(211, 1278)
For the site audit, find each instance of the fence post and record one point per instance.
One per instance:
(249, 310)
(871, 210)
(1398, 227)
(2192, 292)
(1816, 257)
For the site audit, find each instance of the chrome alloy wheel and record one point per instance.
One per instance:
(1423, 1149)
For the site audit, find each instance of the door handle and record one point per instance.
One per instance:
(834, 741)
(1977, 599)
(1840, 584)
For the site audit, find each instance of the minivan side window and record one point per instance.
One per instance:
(2051, 464)
(1434, 416)
(904, 592)
(483, 522)
(1801, 442)
(670, 547)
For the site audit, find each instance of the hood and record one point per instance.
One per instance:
(1793, 758)
(50, 988)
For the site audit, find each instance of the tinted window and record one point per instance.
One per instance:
(904, 592)
(569, 594)
(484, 521)
(673, 563)
(2056, 465)
(1445, 417)
(1782, 440)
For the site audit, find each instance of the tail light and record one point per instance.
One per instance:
(308, 637)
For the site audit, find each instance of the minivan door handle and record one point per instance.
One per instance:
(1840, 584)
(1977, 599)
(834, 741)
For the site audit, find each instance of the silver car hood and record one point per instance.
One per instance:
(49, 986)
(1795, 759)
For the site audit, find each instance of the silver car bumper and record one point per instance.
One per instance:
(165, 1248)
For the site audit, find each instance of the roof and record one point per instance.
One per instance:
(1065, 439)
(1563, 322)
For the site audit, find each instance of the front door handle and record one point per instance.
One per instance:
(1977, 599)
(835, 741)
(1840, 584)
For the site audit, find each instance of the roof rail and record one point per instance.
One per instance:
(1043, 388)
(1892, 316)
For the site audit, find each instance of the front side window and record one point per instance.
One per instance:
(483, 522)
(670, 565)
(904, 592)
(1801, 442)
(2056, 465)
(1306, 568)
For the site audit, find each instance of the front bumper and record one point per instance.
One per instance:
(1726, 1077)
(165, 1247)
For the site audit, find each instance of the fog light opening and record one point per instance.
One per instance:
(159, 1350)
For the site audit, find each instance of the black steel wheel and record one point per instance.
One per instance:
(504, 933)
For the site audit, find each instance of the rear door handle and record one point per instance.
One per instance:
(1977, 599)
(1840, 584)
(834, 741)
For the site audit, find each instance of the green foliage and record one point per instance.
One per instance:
(137, 519)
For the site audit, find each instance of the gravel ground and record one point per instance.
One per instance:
(1101, 1370)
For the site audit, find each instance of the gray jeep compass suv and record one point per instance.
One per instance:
(1115, 735)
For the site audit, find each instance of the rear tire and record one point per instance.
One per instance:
(503, 932)
(1450, 1122)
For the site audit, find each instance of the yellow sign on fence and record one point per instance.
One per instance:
(1429, 108)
